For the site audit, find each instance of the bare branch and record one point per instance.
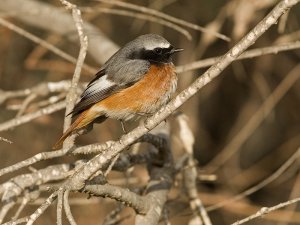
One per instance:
(44, 43)
(263, 111)
(142, 16)
(42, 89)
(261, 184)
(72, 96)
(31, 116)
(265, 210)
(246, 55)
(87, 149)
(123, 195)
(28, 197)
(25, 104)
(5, 209)
(36, 158)
(59, 207)
(33, 217)
(68, 209)
(190, 174)
(164, 16)
(13, 188)
(61, 23)
(18, 221)
(161, 180)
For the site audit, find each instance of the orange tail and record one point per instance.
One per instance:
(84, 119)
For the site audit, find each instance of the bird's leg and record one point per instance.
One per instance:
(123, 126)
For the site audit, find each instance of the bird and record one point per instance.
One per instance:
(134, 82)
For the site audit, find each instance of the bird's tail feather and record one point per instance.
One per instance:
(84, 119)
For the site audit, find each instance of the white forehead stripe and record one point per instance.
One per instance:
(153, 45)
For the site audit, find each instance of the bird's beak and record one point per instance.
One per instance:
(174, 50)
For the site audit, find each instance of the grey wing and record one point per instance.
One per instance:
(127, 71)
(109, 80)
(98, 89)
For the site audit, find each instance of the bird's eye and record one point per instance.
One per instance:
(158, 51)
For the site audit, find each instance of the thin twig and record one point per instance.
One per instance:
(260, 185)
(161, 179)
(293, 208)
(44, 43)
(25, 201)
(72, 96)
(18, 221)
(31, 116)
(142, 16)
(165, 16)
(246, 55)
(111, 165)
(5, 140)
(33, 217)
(15, 187)
(87, 149)
(265, 210)
(34, 159)
(41, 89)
(114, 217)
(263, 111)
(68, 209)
(55, 20)
(59, 207)
(124, 195)
(5, 209)
(157, 5)
(51, 100)
(25, 104)
(190, 174)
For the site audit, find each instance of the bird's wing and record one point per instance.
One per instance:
(98, 89)
(108, 81)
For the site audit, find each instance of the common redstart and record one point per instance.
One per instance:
(137, 80)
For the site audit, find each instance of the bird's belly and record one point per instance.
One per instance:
(144, 97)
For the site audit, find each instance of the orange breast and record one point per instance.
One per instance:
(145, 96)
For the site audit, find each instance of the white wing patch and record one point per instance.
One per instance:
(100, 84)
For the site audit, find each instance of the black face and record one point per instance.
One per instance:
(155, 56)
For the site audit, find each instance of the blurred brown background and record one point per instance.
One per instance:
(217, 114)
